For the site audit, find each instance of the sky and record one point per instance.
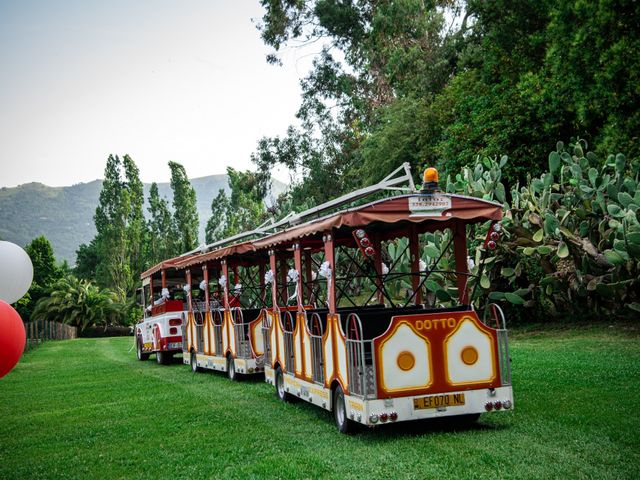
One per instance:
(182, 80)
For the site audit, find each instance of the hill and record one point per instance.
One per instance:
(65, 214)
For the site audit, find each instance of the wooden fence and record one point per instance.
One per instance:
(41, 331)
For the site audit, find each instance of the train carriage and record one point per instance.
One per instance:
(159, 331)
(383, 358)
(223, 329)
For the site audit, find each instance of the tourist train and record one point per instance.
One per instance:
(344, 306)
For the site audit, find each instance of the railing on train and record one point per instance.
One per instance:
(217, 316)
(288, 324)
(492, 311)
(241, 330)
(266, 336)
(316, 332)
(185, 331)
(199, 320)
(360, 359)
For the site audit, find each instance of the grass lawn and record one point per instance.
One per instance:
(87, 409)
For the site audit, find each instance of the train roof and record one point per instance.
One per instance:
(427, 210)
(238, 248)
(389, 217)
(161, 266)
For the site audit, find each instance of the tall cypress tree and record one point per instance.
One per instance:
(120, 226)
(162, 234)
(113, 269)
(136, 225)
(184, 208)
(217, 223)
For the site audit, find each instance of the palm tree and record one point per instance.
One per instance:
(79, 303)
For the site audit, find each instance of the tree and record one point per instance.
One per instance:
(374, 54)
(45, 274)
(591, 73)
(79, 303)
(441, 82)
(40, 251)
(215, 229)
(184, 208)
(110, 219)
(120, 227)
(87, 260)
(243, 211)
(136, 225)
(162, 238)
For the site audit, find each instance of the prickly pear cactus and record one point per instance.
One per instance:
(573, 235)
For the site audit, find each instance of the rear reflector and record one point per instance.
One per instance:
(497, 405)
(384, 417)
(488, 406)
(173, 331)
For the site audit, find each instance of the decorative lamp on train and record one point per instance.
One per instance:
(364, 243)
(493, 235)
(430, 181)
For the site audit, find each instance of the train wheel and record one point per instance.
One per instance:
(139, 353)
(281, 393)
(340, 413)
(231, 369)
(194, 364)
(161, 358)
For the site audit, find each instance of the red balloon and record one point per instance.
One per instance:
(12, 338)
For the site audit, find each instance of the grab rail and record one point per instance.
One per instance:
(266, 336)
(360, 359)
(288, 326)
(498, 316)
(316, 332)
(504, 359)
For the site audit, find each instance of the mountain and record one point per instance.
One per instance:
(65, 214)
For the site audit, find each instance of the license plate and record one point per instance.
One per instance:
(173, 346)
(437, 401)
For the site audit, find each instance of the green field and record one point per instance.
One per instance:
(87, 409)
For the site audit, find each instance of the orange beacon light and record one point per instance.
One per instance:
(430, 180)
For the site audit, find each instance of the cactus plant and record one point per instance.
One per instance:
(573, 243)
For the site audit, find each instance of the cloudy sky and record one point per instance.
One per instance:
(160, 80)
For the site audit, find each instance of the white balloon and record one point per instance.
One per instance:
(16, 272)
